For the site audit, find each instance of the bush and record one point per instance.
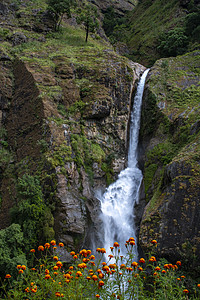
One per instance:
(30, 210)
(173, 43)
(11, 254)
(89, 278)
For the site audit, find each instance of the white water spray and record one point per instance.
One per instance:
(117, 203)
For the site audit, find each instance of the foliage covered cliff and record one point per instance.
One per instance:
(64, 123)
(170, 136)
(160, 28)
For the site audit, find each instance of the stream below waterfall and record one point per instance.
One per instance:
(117, 203)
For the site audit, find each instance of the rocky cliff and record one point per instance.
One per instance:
(65, 109)
(170, 136)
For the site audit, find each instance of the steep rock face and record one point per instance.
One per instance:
(170, 133)
(121, 6)
(67, 122)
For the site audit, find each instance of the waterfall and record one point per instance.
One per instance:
(117, 203)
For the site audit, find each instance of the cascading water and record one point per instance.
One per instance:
(117, 203)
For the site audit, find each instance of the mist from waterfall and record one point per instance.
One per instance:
(117, 203)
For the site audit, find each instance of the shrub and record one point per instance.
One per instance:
(11, 254)
(116, 277)
(173, 42)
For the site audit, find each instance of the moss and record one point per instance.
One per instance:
(148, 175)
(60, 155)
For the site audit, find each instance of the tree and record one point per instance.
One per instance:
(87, 15)
(58, 8)
(173, 43)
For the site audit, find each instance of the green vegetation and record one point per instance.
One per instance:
(11, 250)
(148, 279)
(59, 8)
(162, 28)
(115, 26)
(87, 15)
(30, 211)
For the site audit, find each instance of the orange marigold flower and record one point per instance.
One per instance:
(53, 242)
(61, 245)
(75, 257)
(83, 252)
(157, 269)
(59, 264)
(103, 263)
(101, 275)
(185, 291)
(131, 239)
(166, 266)
(23, 267)
(68, 276)
(32, 250)
(116, 245)
(111, 248)
(94, 277)
(20, 271)
(40, 248)
(183, 276)
(163, 271)
(134, 264)
(46, 271)
(67, 280)
(154, 242)
(92, 257)
(88, 277)
(97, 296)
(55, 273)
(178, 263)
(27, 290)
(198, 285)
(98, 249)
(142, 260)
(101, 283)
(72, 253)
(103, 250)
(61, 295)
(55, 258)
(110, 256)
(78, 273)
(178, 279)
(132, 243)
(34, 290)
(122, 266)
(47, 276)
(19, 267)
(71, 267)
(46, 245)
(57, 294)
(89, 252)
(152, 259)
(55, 268)
(8, 276)
(140, 269)
(33, 269)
